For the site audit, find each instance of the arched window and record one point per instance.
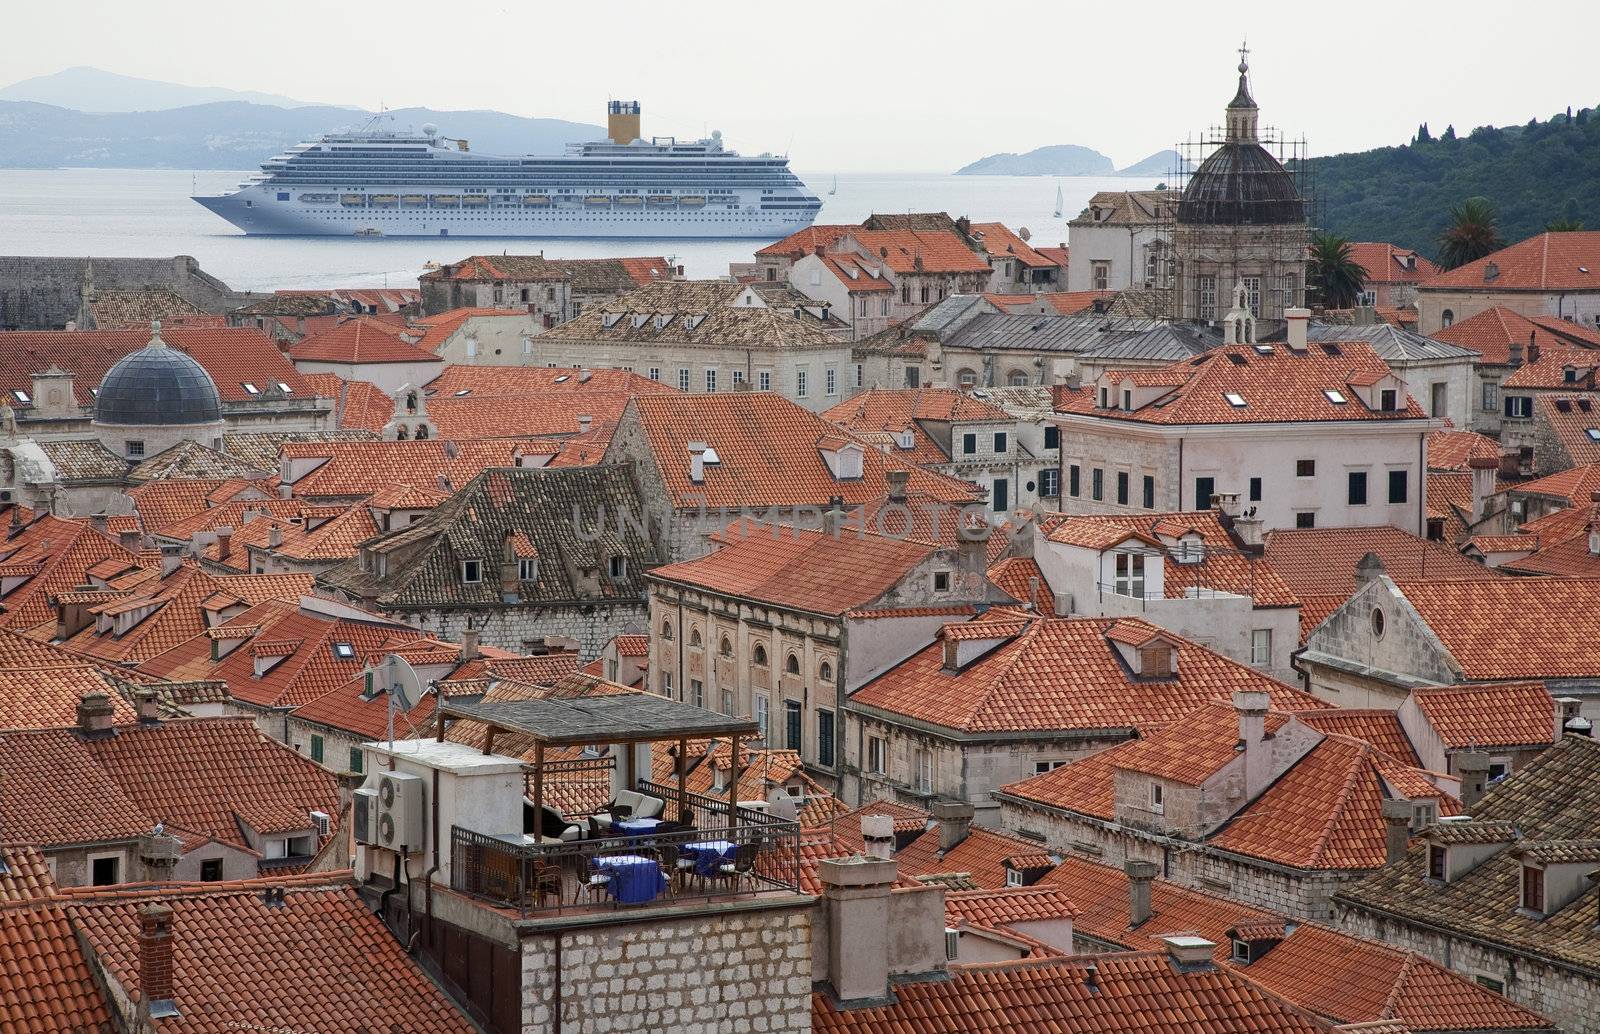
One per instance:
(1447, 317)
(666, 631)
(411, 402)
(694, 637)
(759, 655)
(792, 665)
(1017, 379)
(726, 649)
(402, 434)
(422, 432)
(825, 672)
(967, 378)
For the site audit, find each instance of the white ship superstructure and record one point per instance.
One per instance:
(382, 183)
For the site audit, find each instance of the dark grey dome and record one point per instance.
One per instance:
(1241, 184)
(157, 385)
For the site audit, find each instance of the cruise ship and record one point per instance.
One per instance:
(379, 183)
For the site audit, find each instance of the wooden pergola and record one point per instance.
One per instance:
(624, 719)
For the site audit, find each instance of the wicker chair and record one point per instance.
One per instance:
(596, 884)
(736, 871)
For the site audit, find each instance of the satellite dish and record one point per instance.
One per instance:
(402, 686)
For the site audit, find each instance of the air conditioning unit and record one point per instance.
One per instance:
(322, 822)
(400, 812)
(364, 812)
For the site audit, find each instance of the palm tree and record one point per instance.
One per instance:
(1566, 224)
(1471, 235)
(1333, 276)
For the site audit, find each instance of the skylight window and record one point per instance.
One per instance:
(1235, 399)
(1593, 433)
(1263, 350)
(564, 377)
(21, 396)
(463, 393)
(344, 651)
(710, 456)
(250, 388)
(285, 388)
(1336, 397)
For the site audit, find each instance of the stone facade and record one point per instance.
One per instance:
(47, 293)
(1349, 662)
(720, 972)
(525, 629)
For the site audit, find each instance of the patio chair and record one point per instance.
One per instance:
(743, 864)
(674, 866)
(541, 880)
(596, 884)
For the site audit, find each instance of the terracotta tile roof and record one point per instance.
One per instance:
(160, 503)
(55, 555)
(1281, 387)
(1545, 262)
(856, 274)
(1021, 579)
(1576, 486)
(1504, 714)
(1564, 368)
(40, 686)
(1143, 991)
(808, 240)
(1225, 567)
(1553, 797)
(349, 710)
(1379, 726)
(1492, 332)
(1060, 673)
(1000, 241)
(24, 874)
(982, 855)
(359, 341)
(708, 764)
(1007, 905)
(176, 616)
(1561, 544)
(519, 416)
(233, 356)
(1349, 980)
(916, 251)
(433, 332)
(1513, 628)
(230, 969)
(585, 275)
(806, 570)
(1387, 264)
(230, 514)
(1451, 449)
(881, 411)
(1194, 749)
(767, 447)
(362, 468)
(47, 985)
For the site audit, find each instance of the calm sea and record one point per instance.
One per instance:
(148, 212)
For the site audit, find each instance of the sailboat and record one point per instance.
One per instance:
(1060, 201)
(835, 188)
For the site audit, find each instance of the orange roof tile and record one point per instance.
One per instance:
(359, 341)
(55, 556)
(1489, 715)
(916, 251)
(1545, 262)
(1493, 331)
(1000, 241)
(1451, 449)
(1316, 561)
(808, 240)
(1379, 726)
(895, 411)
(47, 984)
(1387, 264)
(981, 855)
(1575, 422)
(362, 468)
(1513, 628)
(1021, 579)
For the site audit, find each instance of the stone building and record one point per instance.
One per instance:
(1504, 898)
(1392, 273)
(1545, 275)
(920, 268)
(1240, 220)
(552, 291)
(51, 293)
(516, 555)
(1123, 239)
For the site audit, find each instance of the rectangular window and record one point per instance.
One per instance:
(1358, 488)
(1519, 407)
(1305, 468)
(1158, 798)
(1255, 490)
(1204, 489)
(1533, 888)
(737, 377)
(666, 683)
(1252, 295)
(1149, 492)
(1491, 397)
(969, 444)
(824, 737)
(1041, 767)
(357, 760)
(941, 581)
(1305, 519)
(1490, 983)
(617, 567)
(877, 755)
(471, 571)
(1052, 437)
(316, 749)
(830, 381)
(913, 377)
(763, 706)
(655, 373)
(1100, 275)
(1261, 647)
(1208, 297)
(924, 771)
(764, 380)
(1129, 575)
(211, 870)
(727, 701)
(1097, 482)
(1122, 488)
(792, 738)
(861, 375)
(711, 380)
(1436, 856)
(1050, 482)
(800, 390)
(527, 569)
(1000, 443)
(1074, 486)
(1397, 486)
(135, 449)
(683, 379)
(103, 872)
(697, 693)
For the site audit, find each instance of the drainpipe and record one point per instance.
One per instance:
(1180, 475)
(555, 990)
(1422, 485)
(434, 869)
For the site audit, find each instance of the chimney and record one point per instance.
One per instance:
(1141, 875)
(855, 898)
(285, 491)
(972, 544)
(1296, 320)
(1251, 706)
(1248, 528)
(155, 960)
(469, 645)
(955, 821)
(1515, 350)
(1533, 347)
(1484, 469)
(1594, 524)
(585, 421)
(148, 704)
(95, 714)
(1396, 829)
(584, 375)
(160, 853)
(1189, 952)
(274, 537)
(877, 832)
(224, 543)
(1368, 569)
(697, 462)
(129, 540)
(898, 480)
(833, 520)
(1473, 768)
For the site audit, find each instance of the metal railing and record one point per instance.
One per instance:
(702, 811)
(701, 864)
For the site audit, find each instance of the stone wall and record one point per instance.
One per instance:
(1569, 998)
(45, 293)
(524, 629)
(719, 973)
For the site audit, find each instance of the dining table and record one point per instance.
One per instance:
(635, 879)
(708, 855)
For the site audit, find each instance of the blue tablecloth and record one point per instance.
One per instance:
(634, 827)
(708, 855)
(635, 879)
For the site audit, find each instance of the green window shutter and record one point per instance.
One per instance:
(316, 749)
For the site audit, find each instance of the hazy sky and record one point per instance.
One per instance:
(863, 85)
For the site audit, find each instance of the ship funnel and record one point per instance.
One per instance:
(622, 121)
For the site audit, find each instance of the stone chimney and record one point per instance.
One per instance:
(1533, 347)
(469, 645)
(1484, 469)
(1252, 706)
(855, 898)
(95, 714)
(897, 484)
(160, 853)
(148, 704)
(1515, 350)
(224, 543)
(1189, 952)
(955, 822)
(1594, 523)
(1296, 321)
(972, 544)
(833, 519)
(1141, 875)
(1396, 829)
(877, 832)
(585, 422)
(1368, 569)
(697, 462)
(155, 960)
(274, 536)
(1473, 768)
(129, 540)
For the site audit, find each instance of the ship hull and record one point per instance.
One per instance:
(260, 212)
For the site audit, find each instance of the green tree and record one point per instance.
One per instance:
(1333, 276)
(1565, 224)
(1423, 136)
(1473, 232)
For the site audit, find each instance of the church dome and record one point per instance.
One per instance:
(157, 385)
(1241, 184)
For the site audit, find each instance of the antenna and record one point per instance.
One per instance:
(402, 686)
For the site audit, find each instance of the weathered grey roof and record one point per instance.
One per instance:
(260, 448)
(192, 460)
(1167, 342)
(1391, 342)
(1034, 333)
(949, 313)
(575, 518)
(704, 312)
(84, 459)
(1033, 402)
(157, 386)
(602, 718)
(1129, 207)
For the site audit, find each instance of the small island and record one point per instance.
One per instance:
(1068, 160)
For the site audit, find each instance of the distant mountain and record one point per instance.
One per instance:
(94, 89)
(1162, 163)
(1055, 160)
(238, 135)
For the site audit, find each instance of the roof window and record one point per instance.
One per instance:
(1263, 350)
(463, 393)
(285, 388)
(563, 378)
(249, 388)
(1334, 396)
(344, 651)
(1332, 349)
(1593, 433)
(1235, 399)
(21, 396)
